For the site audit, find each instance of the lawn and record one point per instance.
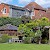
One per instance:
(15, 46)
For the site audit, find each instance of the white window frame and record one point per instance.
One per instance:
(3, 10)
(32, 14)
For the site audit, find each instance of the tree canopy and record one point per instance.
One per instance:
(14, 21)
(30, 28)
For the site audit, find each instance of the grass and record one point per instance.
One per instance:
(15, 46)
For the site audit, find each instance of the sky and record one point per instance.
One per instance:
(22, 3)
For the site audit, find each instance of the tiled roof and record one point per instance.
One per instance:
(8, 27)
(11, 5)
(15, 7)
(34, 5)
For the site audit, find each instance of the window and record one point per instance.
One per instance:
(4, 11)
(17, 12)
(26, 13)
(32, 13)
(20, 15)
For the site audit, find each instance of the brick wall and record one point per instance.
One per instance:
(48, 14)
(10, 33)
(7, 10)
(39, 14)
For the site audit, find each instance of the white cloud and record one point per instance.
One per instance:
(42, 2)
(24, 1)
(5, 1)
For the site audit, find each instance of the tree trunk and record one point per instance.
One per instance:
(40, 40)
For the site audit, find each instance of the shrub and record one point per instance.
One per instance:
(36, 39)
(27, 40)
(4, 38)
(45, 41)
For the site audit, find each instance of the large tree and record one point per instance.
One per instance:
(34, 28)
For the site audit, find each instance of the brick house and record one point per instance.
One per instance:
(33, 10)
(7, 10)
(38, 11)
